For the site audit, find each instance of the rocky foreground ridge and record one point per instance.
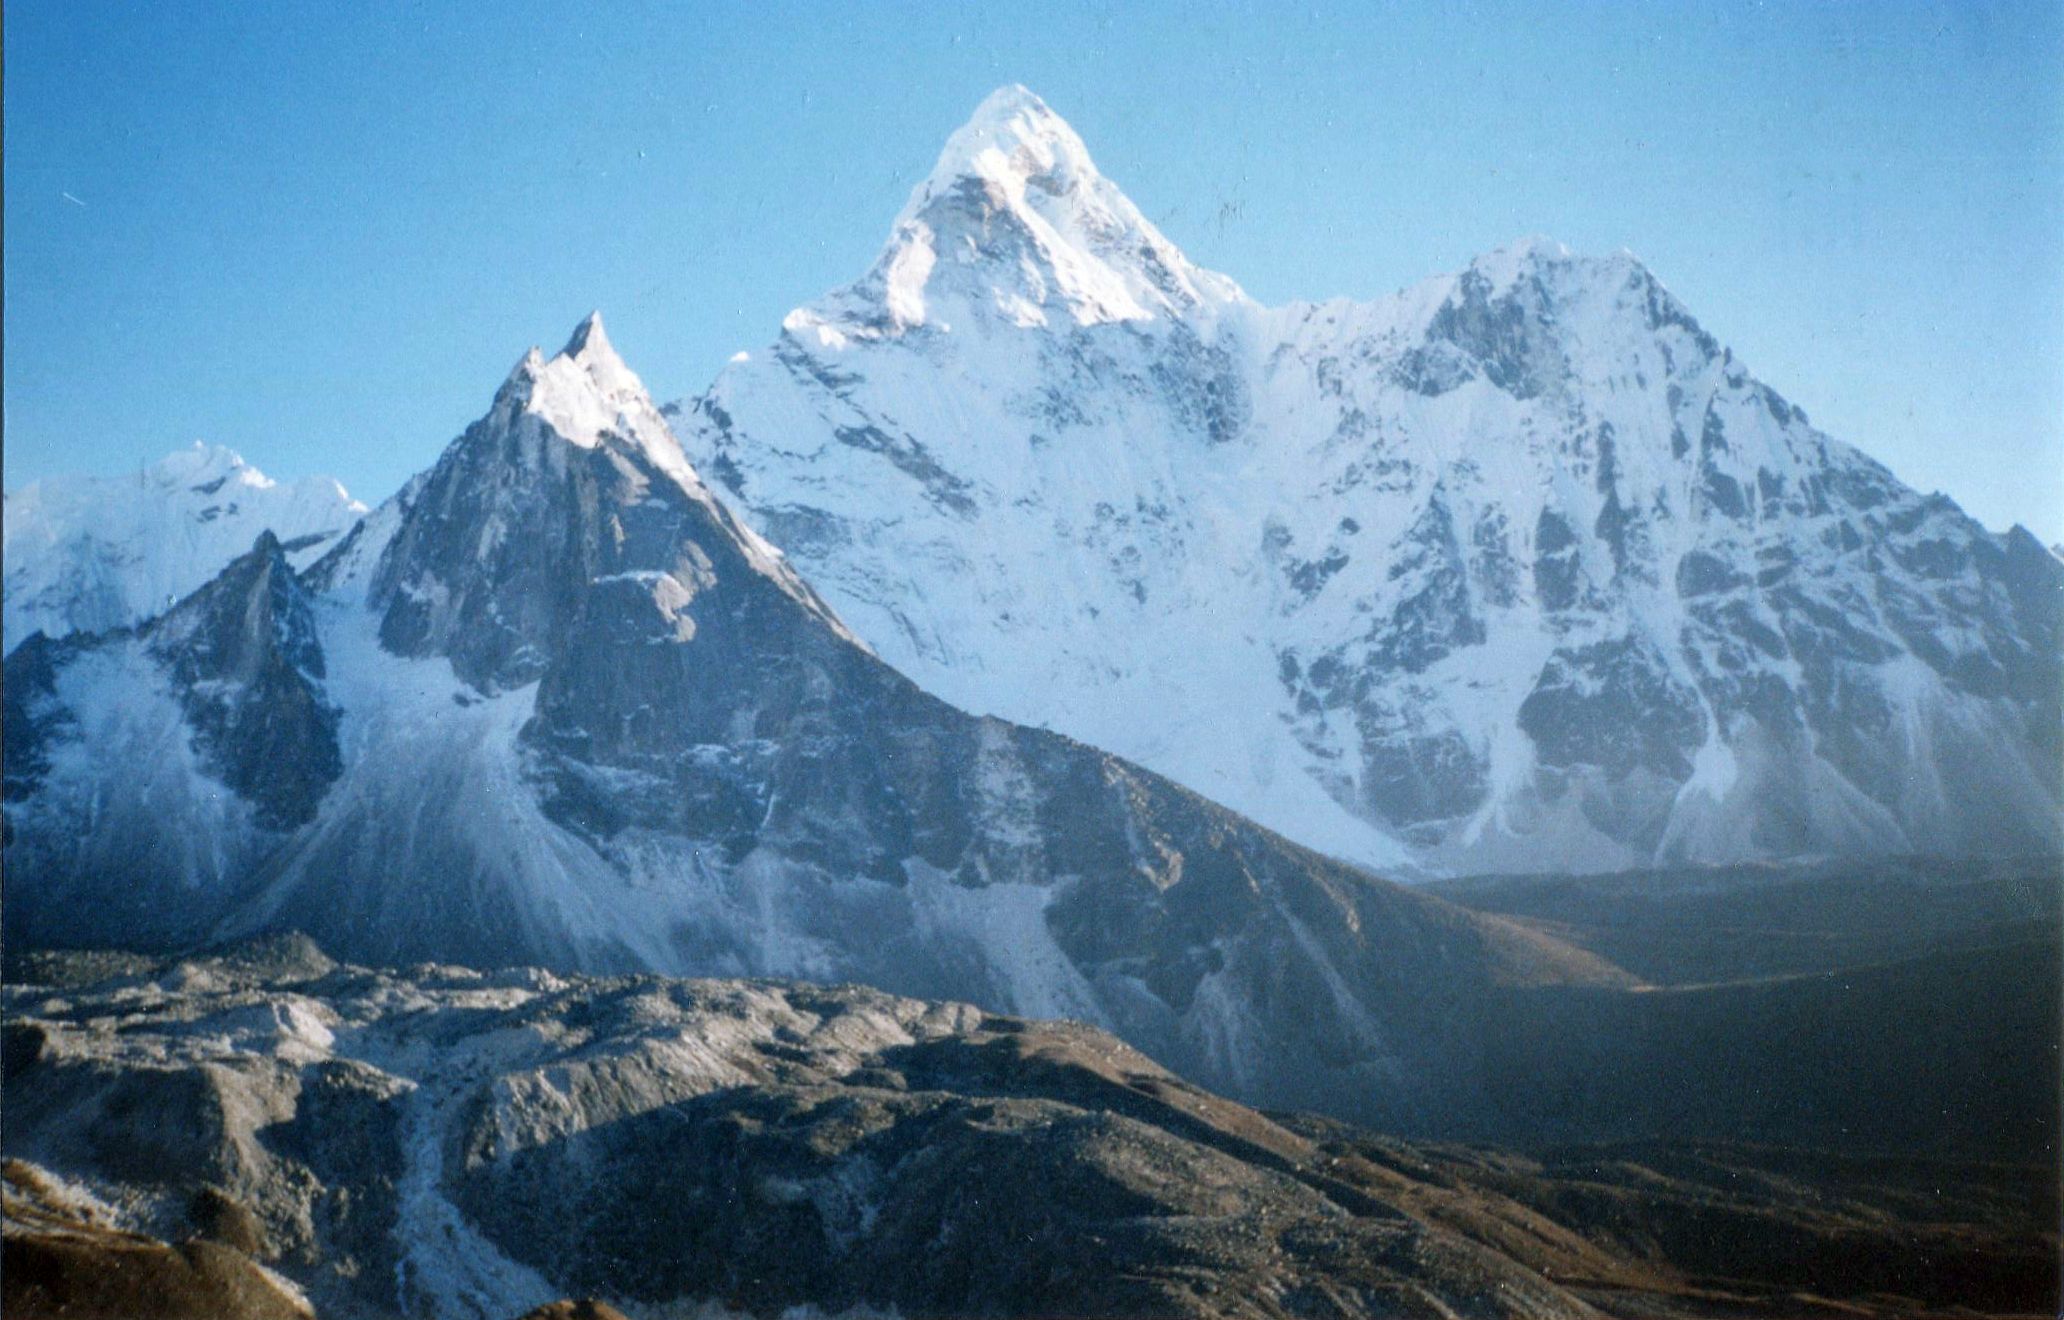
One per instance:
(450, 1143)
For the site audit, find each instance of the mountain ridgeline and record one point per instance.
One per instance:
(1516, 569)
(1088, 563)
(553, 704)
(87, 554)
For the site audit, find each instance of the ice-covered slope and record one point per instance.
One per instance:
(85, 554)
(1515, 569)
(553, 703)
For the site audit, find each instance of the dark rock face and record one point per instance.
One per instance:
(1500, 331)
(487, 648)
(244, 656)
(1576, 713)
(1436, 613)
(193, 743)
(31, 713)
(1556, 566)
(653, 1143)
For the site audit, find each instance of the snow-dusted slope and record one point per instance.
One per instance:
(553, 703)
(1516, 569)
(85, 554)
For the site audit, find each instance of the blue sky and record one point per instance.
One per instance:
(322, 234)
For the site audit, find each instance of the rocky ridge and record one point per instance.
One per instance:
(448, 1143)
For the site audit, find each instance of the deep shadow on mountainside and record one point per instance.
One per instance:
(1902, 1004)
(1700, 925)
(1909, 1007)
(445, 1141)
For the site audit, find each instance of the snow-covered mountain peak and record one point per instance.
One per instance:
(585, 393)
(573, 478)
(1015, 228)
(581, 389)
(1542, 268)
(1555, 276)
(1014, 140)
(86, 554)
(1532, 318)
(1524, 315)
(590, 346)
(1506, 265)
(198, 465)
(1506, 566)
(202, 462)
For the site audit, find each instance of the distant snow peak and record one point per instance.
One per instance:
(579, 389)
(1502, 266)
(590, 347)
(1013, 140)
(201, 462)
(86, 554)
(588, 333)
(1014, 228)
